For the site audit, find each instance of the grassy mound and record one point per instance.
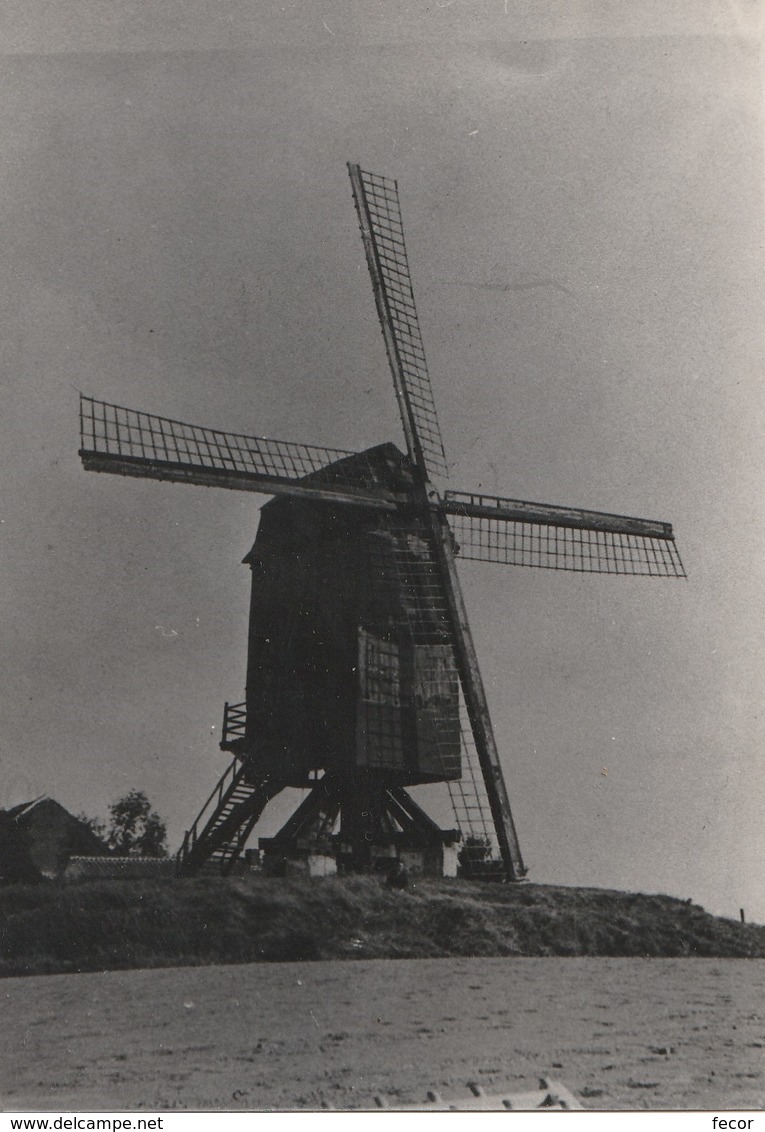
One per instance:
(99, 925)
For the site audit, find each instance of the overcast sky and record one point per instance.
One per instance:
(583, 200)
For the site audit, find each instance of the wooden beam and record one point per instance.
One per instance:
(548, 514)
(414, 448)
(475, 700)
(232, 480)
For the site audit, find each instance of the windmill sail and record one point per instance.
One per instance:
(382, 230)
(131, 443)
(436, 619)
(516, 533)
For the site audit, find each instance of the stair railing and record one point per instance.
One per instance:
(234, 721)
(213, 803)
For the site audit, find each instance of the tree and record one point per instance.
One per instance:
(134, 829)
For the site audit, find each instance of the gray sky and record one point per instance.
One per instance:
(582, 194)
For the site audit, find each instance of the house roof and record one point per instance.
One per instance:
(27, 807)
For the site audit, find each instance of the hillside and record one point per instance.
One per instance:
(100, 925)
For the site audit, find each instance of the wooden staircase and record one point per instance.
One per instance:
(219, 834)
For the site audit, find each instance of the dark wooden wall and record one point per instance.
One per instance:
(337, 679)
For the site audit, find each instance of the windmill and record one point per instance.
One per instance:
(362, 674)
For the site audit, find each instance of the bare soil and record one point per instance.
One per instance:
(619, 1033)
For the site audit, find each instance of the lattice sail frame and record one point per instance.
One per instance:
(427, 622)
(129, 442)
(382, 230)
(550, 538)
(583, 551)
